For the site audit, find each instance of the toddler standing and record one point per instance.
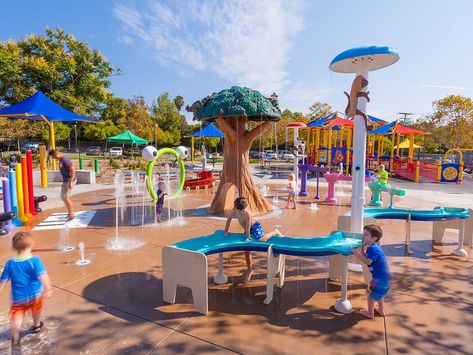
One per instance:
(292, 190)
(29, 284)
(160, 203)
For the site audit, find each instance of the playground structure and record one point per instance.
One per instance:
(19, 201)
(330, 142)
(377, 188)
(185, 263)
(151, 155)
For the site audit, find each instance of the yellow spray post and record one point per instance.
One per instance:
(19, 194)
(42, 166)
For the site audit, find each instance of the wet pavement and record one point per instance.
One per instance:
(114, 305)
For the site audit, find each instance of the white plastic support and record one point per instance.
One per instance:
(408, 234)
(189, 269)
(459, 251)
(275, 267)
(343, 305)
(359, 161)
(439, 228)
(335, 261)
(221, 277)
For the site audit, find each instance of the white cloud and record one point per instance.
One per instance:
(244, 41)
(436, 86)
(299, 96)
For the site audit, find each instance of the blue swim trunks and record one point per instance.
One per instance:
(256, 231)
(377, 289)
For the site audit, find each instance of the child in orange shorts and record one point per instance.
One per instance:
(29, 284)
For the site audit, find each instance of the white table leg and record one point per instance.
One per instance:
(461, 236)
(220, 278)
(343, 305)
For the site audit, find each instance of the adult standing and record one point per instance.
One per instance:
(68, 172)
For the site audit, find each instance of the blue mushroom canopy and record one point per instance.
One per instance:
(374, 57)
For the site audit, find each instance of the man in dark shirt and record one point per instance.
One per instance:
(68, 173)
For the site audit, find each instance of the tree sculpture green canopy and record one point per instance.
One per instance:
(232, 109)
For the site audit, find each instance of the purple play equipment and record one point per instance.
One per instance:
(304, 169)
(332, 179)
(8, 215)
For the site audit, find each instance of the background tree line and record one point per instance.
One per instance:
(78, 78)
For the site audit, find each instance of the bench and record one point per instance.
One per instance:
(441, 214)
(185, 263)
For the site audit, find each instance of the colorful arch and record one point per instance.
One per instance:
(149, 173)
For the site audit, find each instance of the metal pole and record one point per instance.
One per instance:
(75, 130)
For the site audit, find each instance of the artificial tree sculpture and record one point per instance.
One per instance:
(232, 109)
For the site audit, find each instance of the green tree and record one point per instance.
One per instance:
(100, 131)
(137, 118)
(179, 102)
(114, 110)
(450, 124)
(164, 112)
(61, 131)
(319, 109)
(65, 69)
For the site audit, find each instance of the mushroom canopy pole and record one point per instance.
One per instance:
(232, 109)
(360, 61)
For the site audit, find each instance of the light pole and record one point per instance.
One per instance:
(75, 131)
(155, 134)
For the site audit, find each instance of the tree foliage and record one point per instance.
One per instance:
(179, 102)
(165, 113)
(319, 109)
(61, 131)
(450, 124)
(65, 69)
(137, 118)
(100, 131)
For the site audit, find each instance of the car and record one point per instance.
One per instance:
(93, 151)
(34, 147)
(272, 155)
(254, 154)
(288, 156)
(116, 152)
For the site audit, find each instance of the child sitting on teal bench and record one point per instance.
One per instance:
(253, 229)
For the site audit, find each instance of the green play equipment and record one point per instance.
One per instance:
(149, 172)
(377, 188)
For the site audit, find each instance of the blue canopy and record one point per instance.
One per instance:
(376, 119)
(386, 129)
(39, 107)
(209, 131)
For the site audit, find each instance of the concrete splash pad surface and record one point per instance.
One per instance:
(114, 304)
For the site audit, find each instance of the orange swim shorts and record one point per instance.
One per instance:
(35, 306)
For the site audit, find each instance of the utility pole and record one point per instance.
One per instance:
(155, 134)
(75, 131)
(405, 120)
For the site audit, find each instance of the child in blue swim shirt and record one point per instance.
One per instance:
(253, 229)
(373, 256)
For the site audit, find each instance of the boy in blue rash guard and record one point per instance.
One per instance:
(29, 285)
(253, 229)
(373, 256)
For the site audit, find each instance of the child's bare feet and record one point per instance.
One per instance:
(367, 314)
(278, 232)
(380, 311)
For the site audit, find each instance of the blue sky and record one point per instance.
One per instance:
(194, 48)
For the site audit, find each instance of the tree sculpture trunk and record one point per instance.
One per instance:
(236, 175)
